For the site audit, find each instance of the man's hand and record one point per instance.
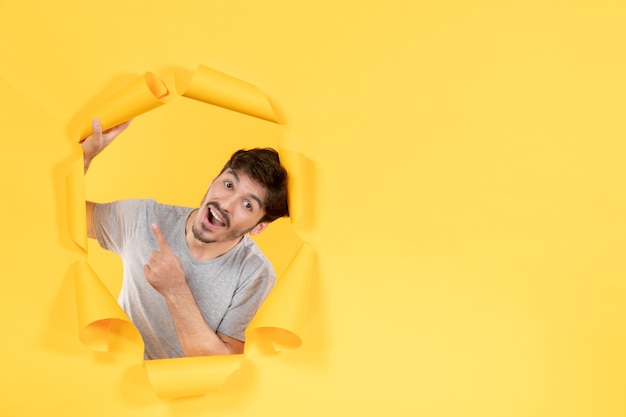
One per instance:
(164, 271)
(99, 139)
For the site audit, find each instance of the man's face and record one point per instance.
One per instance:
(232, 207)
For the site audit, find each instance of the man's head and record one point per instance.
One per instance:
(249, 193)
(262, 165)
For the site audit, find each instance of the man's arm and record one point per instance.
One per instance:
(194, 334)
(89, 210)
(92, 146)
(165, 273)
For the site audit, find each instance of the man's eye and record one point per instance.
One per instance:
(248, 205)
(228, 184)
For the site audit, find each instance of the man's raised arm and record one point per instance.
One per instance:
(92, 146)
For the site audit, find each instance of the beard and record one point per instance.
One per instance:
(199, 236)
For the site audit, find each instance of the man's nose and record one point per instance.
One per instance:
(228, 203)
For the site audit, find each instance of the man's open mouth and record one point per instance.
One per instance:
(215, 217)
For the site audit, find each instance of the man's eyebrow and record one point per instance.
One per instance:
(258, 200)
(252, 196)
(234, 174)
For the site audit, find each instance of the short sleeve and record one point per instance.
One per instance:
(115, 223)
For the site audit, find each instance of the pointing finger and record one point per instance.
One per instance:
(163, 245)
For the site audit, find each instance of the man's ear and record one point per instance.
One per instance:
(259, 228)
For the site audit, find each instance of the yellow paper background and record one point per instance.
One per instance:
(466, 206)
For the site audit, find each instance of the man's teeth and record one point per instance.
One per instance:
(216, 216)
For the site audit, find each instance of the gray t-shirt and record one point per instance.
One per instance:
(228, 289)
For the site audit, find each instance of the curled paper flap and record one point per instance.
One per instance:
(75, 194)
(285, 311)
(188, 377)
(214, 87)
(98, 312)
(294, 162)
(142, 95)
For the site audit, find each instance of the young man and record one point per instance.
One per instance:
(193, 279)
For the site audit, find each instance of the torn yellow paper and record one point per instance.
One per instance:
(283, 316)
(97, 312)
(215, 87)
(76, 219)
(142, 95)
(103, 324)
(294, 162)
